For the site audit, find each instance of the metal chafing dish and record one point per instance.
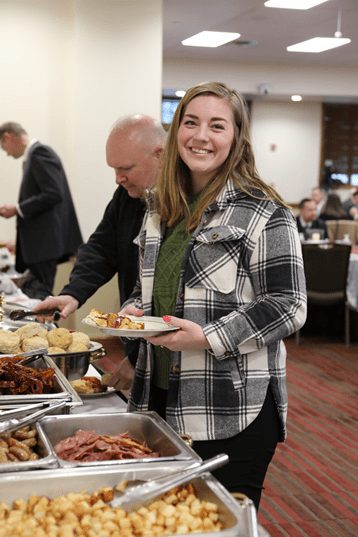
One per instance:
(238, 517)
(63, 389)
(46, 460)
(146, 427)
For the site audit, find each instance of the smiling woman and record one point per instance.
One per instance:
(205, 137)
(220, 260)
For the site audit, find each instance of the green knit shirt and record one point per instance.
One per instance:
(165, 290)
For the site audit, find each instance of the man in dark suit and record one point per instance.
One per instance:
(47, 227)
(307, 219)
(134, 149)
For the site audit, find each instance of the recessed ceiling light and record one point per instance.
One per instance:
(180, 93)
(296, 98)
(318, 44)
(294, 4)
(210, 39)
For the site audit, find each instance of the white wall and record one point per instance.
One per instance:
(295, 128)
(286, 140)
(315, 82)
(69, 69)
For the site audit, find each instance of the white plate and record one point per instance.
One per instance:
(110, 390)
(153, 327)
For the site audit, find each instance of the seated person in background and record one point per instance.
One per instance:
(351, 205)
(333, 209)
(318, 195)
(307, 219)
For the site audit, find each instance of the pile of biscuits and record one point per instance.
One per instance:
(34, 336)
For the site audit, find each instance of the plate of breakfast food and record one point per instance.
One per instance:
(127, 326)
(89, 386)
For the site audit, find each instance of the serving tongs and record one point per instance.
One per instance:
(17, 315)
(14, 423)
(140, 495)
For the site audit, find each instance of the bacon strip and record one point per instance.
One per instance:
(87, 446)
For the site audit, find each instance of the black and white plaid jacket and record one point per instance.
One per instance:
(242, 280)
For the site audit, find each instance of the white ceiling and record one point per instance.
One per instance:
(272, 30)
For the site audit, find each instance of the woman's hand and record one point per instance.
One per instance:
(131, 310)
(190, 336)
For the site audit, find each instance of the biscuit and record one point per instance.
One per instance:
(59, 337)
(30, 330)
(34, 343)
(81, 337)
(77, 347)
(9, 342)
(55, 350)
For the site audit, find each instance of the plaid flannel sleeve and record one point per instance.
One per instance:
(278, 282)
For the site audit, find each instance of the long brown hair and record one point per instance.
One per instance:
(173, 185)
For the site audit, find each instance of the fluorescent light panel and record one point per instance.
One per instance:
(294, 4)
(296, 98)
(210, 39)
(318, 44)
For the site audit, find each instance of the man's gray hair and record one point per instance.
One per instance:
(148, 129)
(11, 127)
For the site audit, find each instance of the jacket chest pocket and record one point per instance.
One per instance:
(213, 261)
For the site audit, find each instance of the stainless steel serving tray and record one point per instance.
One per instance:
(63, 389)
(239, 518)
(46, 460)
(143, 426)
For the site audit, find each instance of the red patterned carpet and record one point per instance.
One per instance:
(311, 486)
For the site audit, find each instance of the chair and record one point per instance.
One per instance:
(337, 229)
(326, 270)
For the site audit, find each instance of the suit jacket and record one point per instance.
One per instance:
(242, 280)
(315, 224)
(109, 251)
(49, 227)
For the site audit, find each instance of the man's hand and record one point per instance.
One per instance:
(8, 211)
(122, 378)
(66, 304)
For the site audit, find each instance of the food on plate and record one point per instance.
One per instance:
(9, 342)
(31, 330)
(178, 511)
(88, 446)
(34, 343)
(17, 379)
(88, 385)
(77, 347)
(113, 320)
(59, 337)
(19, 445)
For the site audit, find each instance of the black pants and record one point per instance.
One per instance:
(250, 451)
(39, 281)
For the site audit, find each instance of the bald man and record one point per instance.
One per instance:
(134, 148)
